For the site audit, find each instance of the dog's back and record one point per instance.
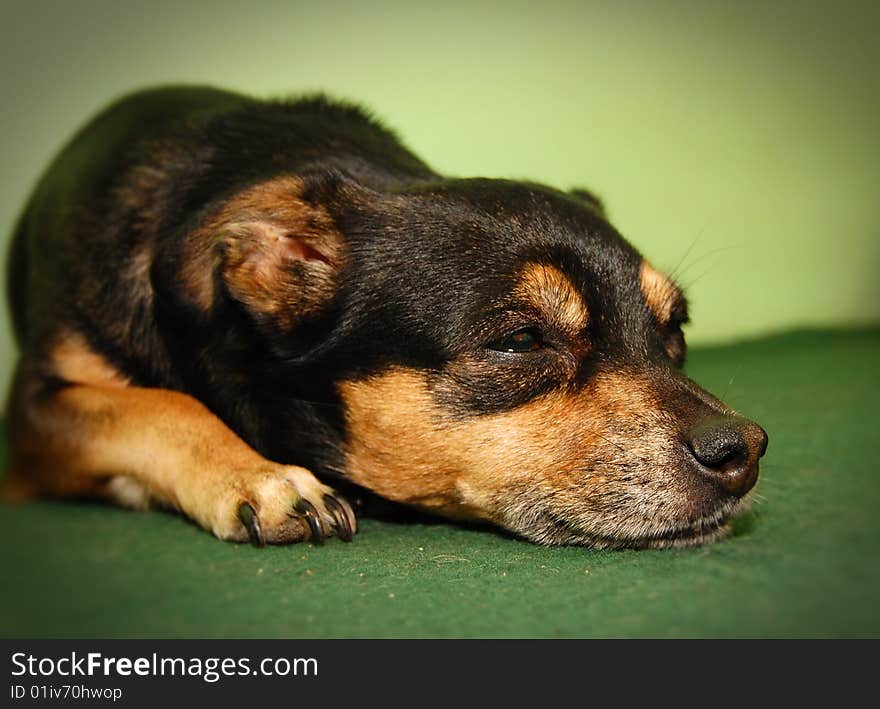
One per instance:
(66, 256)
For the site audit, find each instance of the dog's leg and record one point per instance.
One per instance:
(136, 445)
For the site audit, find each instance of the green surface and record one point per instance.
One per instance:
(743, 134)
(803, 563)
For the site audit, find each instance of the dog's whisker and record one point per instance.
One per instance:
(674, 273)
(702, 257)
(690, 284)
(325, 404)
(730, 382)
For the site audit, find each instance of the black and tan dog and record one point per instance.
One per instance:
(224, 305)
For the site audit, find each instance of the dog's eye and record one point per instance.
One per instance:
(520, 341)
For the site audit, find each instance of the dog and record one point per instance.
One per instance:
(228, 306)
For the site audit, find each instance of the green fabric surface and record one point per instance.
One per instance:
(804, 562)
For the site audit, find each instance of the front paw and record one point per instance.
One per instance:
(280, 504)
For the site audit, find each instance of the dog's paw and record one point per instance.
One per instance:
(280, 504)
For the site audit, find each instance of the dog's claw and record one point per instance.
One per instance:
(251, 522)
(307, 509)
(343, 524)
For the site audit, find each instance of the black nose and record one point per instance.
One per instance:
(727, 449)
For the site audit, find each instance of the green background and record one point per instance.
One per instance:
(736, 143)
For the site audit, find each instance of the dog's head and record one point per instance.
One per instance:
(499, 352)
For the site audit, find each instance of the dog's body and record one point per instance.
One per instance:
(218, 298)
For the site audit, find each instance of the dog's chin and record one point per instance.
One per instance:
(709, 527)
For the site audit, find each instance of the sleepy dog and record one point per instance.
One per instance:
(224, 305)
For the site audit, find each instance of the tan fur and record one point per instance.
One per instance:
(73, 360)
(660, 293)
(263, 232)
(595, 458)
(98, 437)
(553, 293)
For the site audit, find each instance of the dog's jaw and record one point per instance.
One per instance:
(549, 529)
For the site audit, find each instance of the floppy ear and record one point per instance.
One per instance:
(590, 199)
(272, 250)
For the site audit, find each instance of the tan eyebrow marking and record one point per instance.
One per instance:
(553, 293)
(660, 293)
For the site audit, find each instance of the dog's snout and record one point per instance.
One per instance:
(728, 449)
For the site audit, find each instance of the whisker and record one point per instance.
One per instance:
(703, 257)
(673, 274)
(705, 273)
(327, 404)
(613, 443)
(730, 383)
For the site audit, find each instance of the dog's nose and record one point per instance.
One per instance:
(727, 449)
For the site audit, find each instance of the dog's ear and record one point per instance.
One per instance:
(273, 247)
(282, 253)
(591, 200)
